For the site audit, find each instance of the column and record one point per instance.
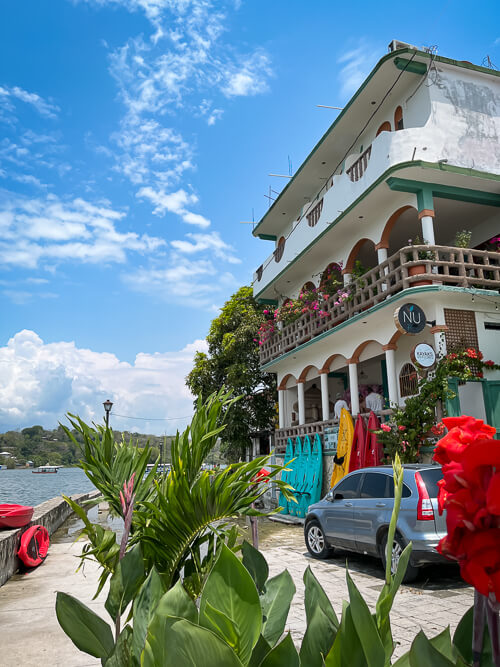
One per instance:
(325, 403)
(353, 385)
(281, 408)
(347, 278)
(390, 363)
(438, 332)
(426, 217)
(382, 256)
(302, 403)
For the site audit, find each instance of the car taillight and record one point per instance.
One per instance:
(425, 511)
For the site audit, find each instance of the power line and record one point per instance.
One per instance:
(152, 419)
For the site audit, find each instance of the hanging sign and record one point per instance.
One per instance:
(410, 319)
(423, 355)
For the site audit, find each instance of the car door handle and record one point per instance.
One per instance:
(347, 504)
(380, 505)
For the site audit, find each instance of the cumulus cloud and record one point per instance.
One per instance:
(201, 242)
(174, 202)
(41, 381)
(51, 230)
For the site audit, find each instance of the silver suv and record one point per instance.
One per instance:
(355, 516)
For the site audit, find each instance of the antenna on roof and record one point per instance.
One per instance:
(248, 222)
(281, 175)
(326, 106)
(487, 63)
(290, 171)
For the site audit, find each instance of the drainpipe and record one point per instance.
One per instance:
(353, 385)
(302, 403)
(281, 408)
(325, 403)
(390, 363)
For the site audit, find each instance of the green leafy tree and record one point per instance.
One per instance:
(233, 361)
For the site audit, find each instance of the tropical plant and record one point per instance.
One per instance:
(462, 239)
(422, 253)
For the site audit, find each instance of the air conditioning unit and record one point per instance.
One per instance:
(395, 46)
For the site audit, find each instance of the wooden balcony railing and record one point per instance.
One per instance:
(358, 168)
(442, 265)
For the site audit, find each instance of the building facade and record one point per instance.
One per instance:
(411, 161)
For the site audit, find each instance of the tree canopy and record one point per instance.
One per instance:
(233, 361)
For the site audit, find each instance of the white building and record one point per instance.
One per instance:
(415, 153)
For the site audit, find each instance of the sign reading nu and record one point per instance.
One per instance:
(410, 318)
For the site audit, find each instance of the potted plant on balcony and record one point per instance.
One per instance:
(462, 239)
(422, 253)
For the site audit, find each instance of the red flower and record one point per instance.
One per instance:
(385, 428)
(461, 432)
(489, 363)
(471, 353)
(401, 427)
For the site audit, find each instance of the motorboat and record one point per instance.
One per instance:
(45, 470)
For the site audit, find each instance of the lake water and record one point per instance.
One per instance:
(22, 487)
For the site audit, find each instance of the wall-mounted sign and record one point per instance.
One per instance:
(423, 355)
(330, 438)
(410, 318)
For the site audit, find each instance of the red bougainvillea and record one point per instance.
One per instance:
(470, 493)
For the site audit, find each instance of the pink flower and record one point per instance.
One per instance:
(265, 312)
(401, 427)
(385, 428)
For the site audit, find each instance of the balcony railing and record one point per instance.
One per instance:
(281, 435)
(358, 168)
(441, 265)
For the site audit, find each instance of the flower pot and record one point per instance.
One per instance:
(416, 271)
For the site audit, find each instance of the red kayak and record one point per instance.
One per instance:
(15, 516)
(34, 546)
(374, 450)
(357, 459)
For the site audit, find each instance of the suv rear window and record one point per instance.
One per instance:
(431, 477)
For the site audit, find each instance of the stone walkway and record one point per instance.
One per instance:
(31, 636)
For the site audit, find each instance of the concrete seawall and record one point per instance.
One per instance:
(51, 514)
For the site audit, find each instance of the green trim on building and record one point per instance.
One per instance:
(405, 294)
(267, 237)
(414, 67)
(384, 177)
(426, 191)
(422, 54)
(267, 302)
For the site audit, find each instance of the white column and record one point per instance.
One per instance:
(302, 403)
(281, 408)
(427, 222)
(325, 403)
(353, 386)
(439, 342)
(392, 383)
(382, 256)
(347, 278)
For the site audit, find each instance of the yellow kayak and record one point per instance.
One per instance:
(344, 446)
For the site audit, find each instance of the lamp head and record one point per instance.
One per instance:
(107, 406)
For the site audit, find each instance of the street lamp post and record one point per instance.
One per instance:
(107, 409)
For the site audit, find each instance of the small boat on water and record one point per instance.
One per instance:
(45, 470)
(15, 516)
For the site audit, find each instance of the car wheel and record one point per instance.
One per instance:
(315, 541)
(398, 547)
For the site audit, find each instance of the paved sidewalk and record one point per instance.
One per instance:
(438, 598)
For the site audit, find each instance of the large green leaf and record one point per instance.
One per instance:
(144, 608)
(462, 640)
(283, 654)
(315, 596)
(125, 582)
(318, 638)
(223, 627)
(346, 649)
(174, 642)
(231, 590)
(260, 650)
(123, 656)
(275, 604)
(424, 654)
(86, 629)
(256, 564)
(176, 602)
(366, 627)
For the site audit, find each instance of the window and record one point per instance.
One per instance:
(398, 119)
(280, 249)
(408, 380)
(308, 287)
(462, 331)
(390, 489)
(314, 215)
(374, 485)
(348, 488)
(385, 127)
(431, 477)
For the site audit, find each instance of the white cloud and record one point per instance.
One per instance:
(201, 242)
(357, 64)
(249, 78)
(34, 231)
(40, 382)
(44, 108)
(174, 202)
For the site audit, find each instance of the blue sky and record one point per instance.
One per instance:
(135, 136)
